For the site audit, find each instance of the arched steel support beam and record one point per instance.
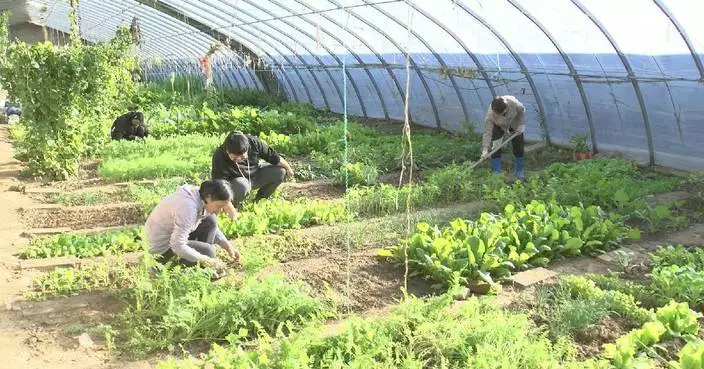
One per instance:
(570, 66)
(268, 66)
(631, 76)
(524, 69)
(150, 20)
(437, 56)
(223, 75)
(366, 44)
(327, 72)
(462, 44)
(268, 80)
(410, 58)
(293, 52)
(339, 62)
(687, 41)
(222, 14)
(153, 21)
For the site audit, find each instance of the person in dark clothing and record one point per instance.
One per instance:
(129, 126)
(237, 161)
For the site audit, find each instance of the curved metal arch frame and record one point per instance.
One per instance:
(462, 44)
(153, 21)
(266, 77)
(217, 16)
(308, 66)
(365, 43)
(440, 60)
(225, 59)
(219, 62)
(570, 66)
(222, 70)
(332, 80)
(410, 58)
(151, 18)
(687, 41)
(631, 76)
(339, 62)
(519, 60)
(253, 46)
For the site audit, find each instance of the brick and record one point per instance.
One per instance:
(530, 277)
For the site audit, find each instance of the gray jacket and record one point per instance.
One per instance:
(173, 219)
(513, 118)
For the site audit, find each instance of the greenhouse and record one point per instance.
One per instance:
(352, 184)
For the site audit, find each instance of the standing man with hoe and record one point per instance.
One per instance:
(505, 115)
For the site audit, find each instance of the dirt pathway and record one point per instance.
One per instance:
(41, 334)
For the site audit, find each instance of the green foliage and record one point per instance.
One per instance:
(671, 321)
(81, 199)
(450, 184)
(151, 158)
(677, 274)
(84, 246)
(613, 184)
(4, 28)
(574, 304)
(180, 306)
(148, 196)
(680, 283)
(356, 174)
(68, 95)
(678, 255)
(267, 216)
(91, 277)
(691, 356)
(579, 143)
(641, 293)
(495, 245)
(418, 334)
(385, 199)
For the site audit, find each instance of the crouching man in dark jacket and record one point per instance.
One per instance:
(237, 161)
(129, 126)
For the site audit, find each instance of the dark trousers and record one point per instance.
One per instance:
(200, 240)
(518, 142)
(266, 179)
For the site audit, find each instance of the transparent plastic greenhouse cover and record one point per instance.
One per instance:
(628, 73)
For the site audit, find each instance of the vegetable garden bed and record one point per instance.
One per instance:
(305, 251)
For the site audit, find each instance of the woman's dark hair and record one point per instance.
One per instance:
(215, 190)
(498, 105)
(236, 143)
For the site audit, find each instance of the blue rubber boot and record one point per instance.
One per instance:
(520, 170)
(496, 164)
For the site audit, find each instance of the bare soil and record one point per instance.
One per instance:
(368, 283)
(319, 189)
(590, 341)
(81, 217)
(42, 334)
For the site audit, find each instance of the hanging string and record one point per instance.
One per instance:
(407, 141)
(344, 166)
